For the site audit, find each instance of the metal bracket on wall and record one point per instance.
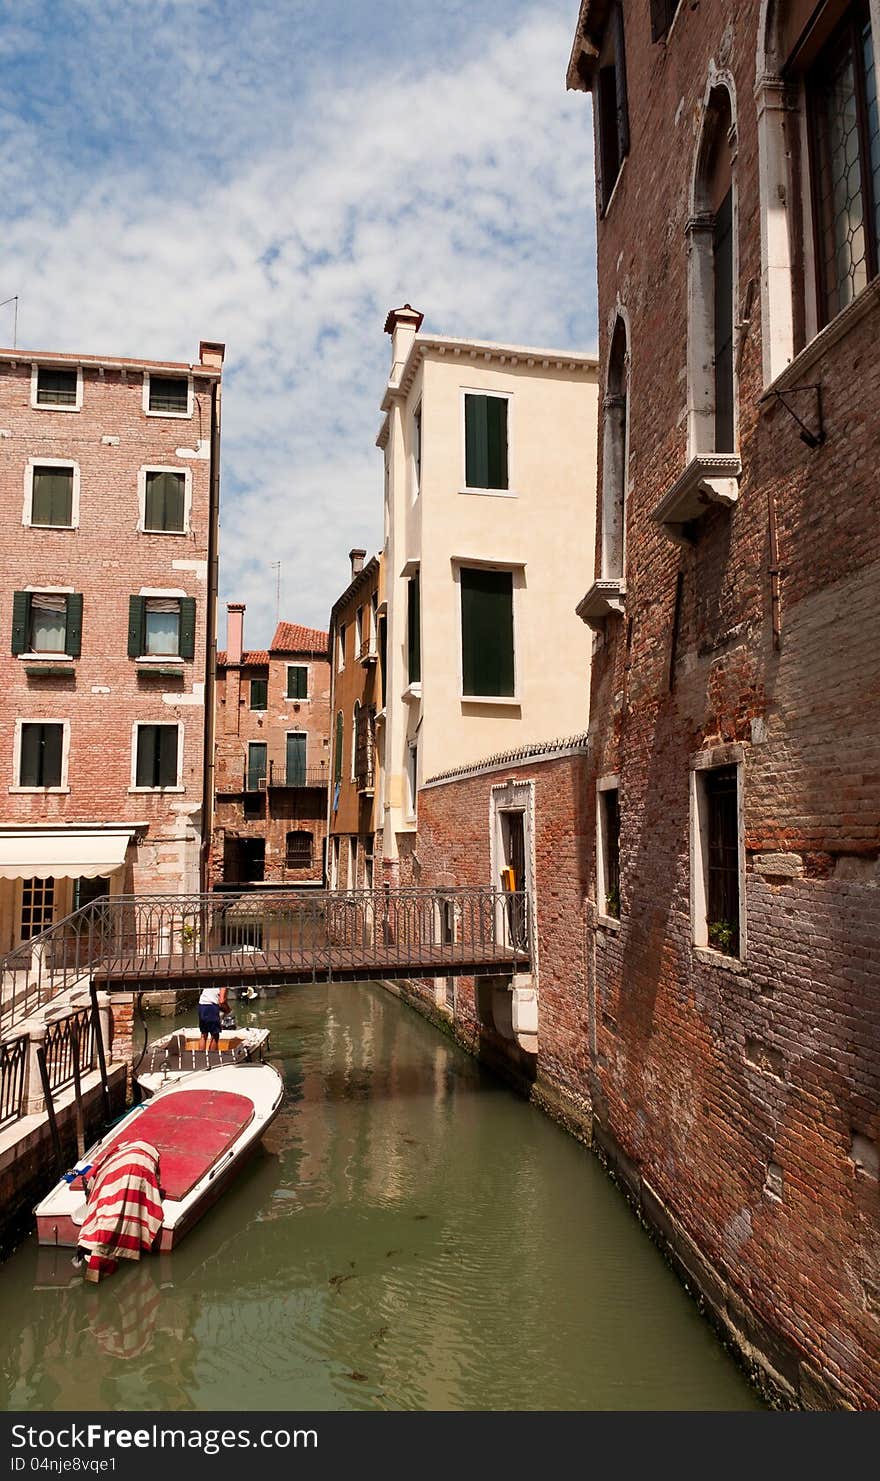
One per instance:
(807, 434)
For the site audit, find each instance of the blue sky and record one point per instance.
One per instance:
(278, 175)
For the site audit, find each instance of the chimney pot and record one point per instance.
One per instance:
(211, 353)
(234, 631)
(357, 558)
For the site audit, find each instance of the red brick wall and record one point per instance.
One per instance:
(705, 1076)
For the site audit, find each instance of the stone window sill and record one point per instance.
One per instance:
(608, 922)
(605, 598)
(42, 791)
(712, 958)
(501, 701)
(412, 692)
(45, 658)
(157, 790)
(709, 478)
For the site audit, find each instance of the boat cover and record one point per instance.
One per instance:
(124, 1210)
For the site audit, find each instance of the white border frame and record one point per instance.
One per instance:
(292, 698)
(516, 570)
(177, 416)
(178, 786)
(63, 786)
(146, 468)
(712, 760)
(510, 492)
(609, 783)
(28, 504)
(36, 405)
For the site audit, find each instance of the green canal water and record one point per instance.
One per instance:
(412, 1236)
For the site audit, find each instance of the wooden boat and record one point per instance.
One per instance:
(176, 1055)
(203, 1127)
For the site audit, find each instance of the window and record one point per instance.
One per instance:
(359, 630)
(374, 622)
(53, 500)
(417, 449)
(47, 622)
(41, 756)
(352, 863)
(257, 766)
(413, 631)
(355, 725)
(168, 395)
(157, 755)
(334, 864)
(712, 278)
(608, 848)
(37, 906)
(298, 854)
(487, 663)
(57, 388)
(297, 681)
(383, 656)
(85, 890)
(337, 751)
(717, 859)
(845, 161)
(662, 16)
(615, 458)
(259, 694)
(340, 648)
(297, 741)
(165, 501)
(485, 442)
(610, 107)
(412, 777)
(161, 627)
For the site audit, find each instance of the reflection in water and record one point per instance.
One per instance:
(412, 1236)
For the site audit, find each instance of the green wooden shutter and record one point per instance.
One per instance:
(413, 632)
(496, 442)
(296, 759)
(73, 638)
(476, 445)
(187, 627)
(21, 611)
(166, 760)
(52, 738)
(487, 632)
(31, 748)
(620, 84)
(297, 682)
(144, 762)
(136, 619)
(337, 757)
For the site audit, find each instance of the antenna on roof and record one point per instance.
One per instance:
(13, 299)
(276, 567)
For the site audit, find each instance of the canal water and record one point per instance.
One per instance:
(412, 1236)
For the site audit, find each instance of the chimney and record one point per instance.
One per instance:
(357, 558)
(234, 631)
(403, 325)
(211, 354)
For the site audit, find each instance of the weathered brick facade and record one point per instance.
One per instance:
(100, 555)
(271, 818)
(739, 1093)
(357, 644)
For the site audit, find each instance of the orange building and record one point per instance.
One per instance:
(357, 655)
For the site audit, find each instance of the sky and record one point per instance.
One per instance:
(278, 174)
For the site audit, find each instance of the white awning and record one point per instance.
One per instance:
(62, 853)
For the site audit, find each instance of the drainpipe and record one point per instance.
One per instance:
(211, 639)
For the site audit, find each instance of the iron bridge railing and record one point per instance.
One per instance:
(317, 935)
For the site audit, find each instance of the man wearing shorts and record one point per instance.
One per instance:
(212, 1002)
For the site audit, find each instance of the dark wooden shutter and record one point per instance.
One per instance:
(52, 739)
(21, 611)
(52, 502)
(146, 756)
(187, 627)
(300, 682)
(166, 760)
(337, 756)
(487, 632)
(496, 441)
(296, 759)
(31, 750)
(476, 442)
(413, 632)
(722, 250)
(136, 619)
(620, 83)
(73, 638)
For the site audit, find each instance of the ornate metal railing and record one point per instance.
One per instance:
(69, 1041)
(13, 1070)
(319, 935)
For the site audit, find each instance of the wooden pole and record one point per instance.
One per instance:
(77, 1091)
(50, 1107)
(99, 1045)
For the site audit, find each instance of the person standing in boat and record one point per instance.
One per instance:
(213, 1001)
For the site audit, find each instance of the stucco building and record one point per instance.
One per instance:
(272, 757)
(109, 488)
(357, 664)
(490, 464)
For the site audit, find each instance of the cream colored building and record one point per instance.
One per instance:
(490, 495)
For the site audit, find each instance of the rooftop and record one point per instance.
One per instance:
(116, 362)
(291, 637)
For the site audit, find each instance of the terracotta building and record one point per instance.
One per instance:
(358, 656)
(109, 484)
(271, 757)
(731, 1019)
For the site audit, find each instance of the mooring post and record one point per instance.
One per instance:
(50, 1107)
(77, 1090)
(99, 1045)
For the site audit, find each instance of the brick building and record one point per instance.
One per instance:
(358, 655)
(733, 912)
(109, 482)
(271, 757)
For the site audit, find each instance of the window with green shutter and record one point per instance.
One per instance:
(257, 765)
(164, 501)
(52, 501)
(413, 631)
(156, 762)
(259, 694)
(487, 632)
(41, 751)
(485, 434)
(297, 681)
(296, 758)
(337, 754)
(47, 622)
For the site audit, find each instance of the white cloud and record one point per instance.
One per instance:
(287, 226)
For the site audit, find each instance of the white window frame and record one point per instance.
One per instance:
(51, 406)
(27, 507)
(291, 698)
(374, 623)
(355, 712)
(412, 779)
(704, 761)
(508, 396)
(341, 631)
(416, 463)
(516, 569)
(359, 629)
(63, 786)
(352, 861)
(43, 654)
(178, 786)
(334, 862)
(610, 783)
(142, 498)
(169, 375)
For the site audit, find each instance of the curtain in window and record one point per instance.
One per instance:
(164, 501)
(162, 625)
(48, 623)
(53, 496)
(487, 632)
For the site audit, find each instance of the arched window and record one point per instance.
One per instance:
(712, 259)
(615, 457)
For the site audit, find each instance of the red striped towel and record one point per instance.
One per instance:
(124, 1209)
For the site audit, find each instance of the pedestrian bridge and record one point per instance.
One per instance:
(147, 943)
